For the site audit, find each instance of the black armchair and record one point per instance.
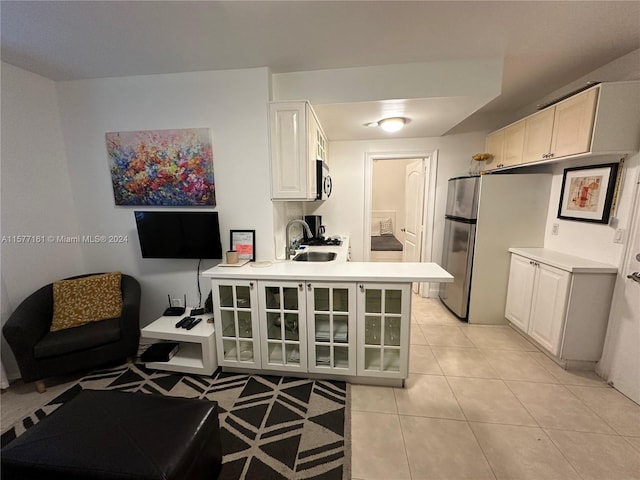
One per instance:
(41, 353)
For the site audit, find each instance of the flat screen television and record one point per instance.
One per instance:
(179, 234)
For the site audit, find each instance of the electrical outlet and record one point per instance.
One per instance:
(554, 230)
(618, 237)
(176, 302)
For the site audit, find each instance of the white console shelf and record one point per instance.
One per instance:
(197, 352)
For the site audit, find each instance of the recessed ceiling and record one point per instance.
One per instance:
(545, 45)
(427, 117)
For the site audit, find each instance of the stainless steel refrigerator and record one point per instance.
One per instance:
(459, 241)
(485, 216)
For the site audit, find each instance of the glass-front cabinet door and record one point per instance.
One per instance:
(283, 333)
(384, 315)
(236, 321)
(331, 327)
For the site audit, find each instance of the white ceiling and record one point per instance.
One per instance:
(545, 44)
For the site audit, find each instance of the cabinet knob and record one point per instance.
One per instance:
(300, 286)
(250, 284)
(361, 287)
(309, 286)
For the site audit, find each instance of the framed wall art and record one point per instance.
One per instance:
(244, 242)
(168, 168)
(587, 193)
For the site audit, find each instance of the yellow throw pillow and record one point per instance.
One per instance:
(88, 299)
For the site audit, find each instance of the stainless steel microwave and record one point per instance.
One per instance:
(324, 184)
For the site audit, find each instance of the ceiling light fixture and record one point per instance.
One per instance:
(392, 124)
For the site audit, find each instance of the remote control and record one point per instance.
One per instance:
(194, 323)
(187, 322)
(182, 322)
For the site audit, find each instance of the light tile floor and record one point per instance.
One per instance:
(481, 402)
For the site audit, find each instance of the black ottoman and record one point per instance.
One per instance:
(103, 434)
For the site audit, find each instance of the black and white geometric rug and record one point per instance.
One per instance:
(272, 427)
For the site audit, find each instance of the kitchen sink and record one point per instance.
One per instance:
(315, 257)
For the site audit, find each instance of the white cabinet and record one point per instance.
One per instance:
(297, 143)
(537, 137)
(283, 333)
(236, 323)
(548, 305)
(520, 292)
(384, 315)
(562, 302)
(197, 349)
(331, 328)
(604, 119)
(573, 123)
(331, 325)
(561, 130)
(536, 300)
(495, 146)
(506, 146)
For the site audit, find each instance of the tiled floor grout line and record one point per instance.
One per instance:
(404, 442)
(544, 429)
(531, 355)
(466, 419)
(560, 382)
(574, 467)
(530, 414)
(626, 438)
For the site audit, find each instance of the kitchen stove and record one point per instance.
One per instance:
(322, 241)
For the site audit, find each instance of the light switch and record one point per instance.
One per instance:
(618, 237)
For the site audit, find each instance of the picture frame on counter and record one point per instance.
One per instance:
(587, 193)
(244, 242)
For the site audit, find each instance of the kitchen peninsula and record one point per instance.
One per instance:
(336, 319)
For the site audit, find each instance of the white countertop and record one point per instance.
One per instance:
(338, 270)
(563, 261)
(335, 271)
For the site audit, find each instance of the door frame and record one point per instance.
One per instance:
(430, 159)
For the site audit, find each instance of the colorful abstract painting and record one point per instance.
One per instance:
(588, 192)
(162, 167)
(584, 194)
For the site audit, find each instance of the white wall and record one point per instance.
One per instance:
(591, 240)
(36, 192)
(233, 104)
(344, 211)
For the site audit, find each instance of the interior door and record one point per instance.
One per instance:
(622, 346)
(414, 213)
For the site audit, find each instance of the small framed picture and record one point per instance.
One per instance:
(587, 193)
(244, 242)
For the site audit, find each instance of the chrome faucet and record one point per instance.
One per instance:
(288, 250)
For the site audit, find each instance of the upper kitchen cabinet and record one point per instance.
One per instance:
(605, 119)
(562, 129)
(297, 143)
(506, 146)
